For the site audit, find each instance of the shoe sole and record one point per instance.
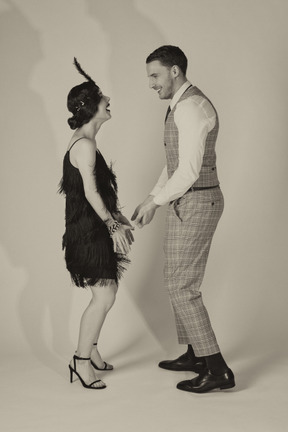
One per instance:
(223, 387)
(228, 386)
(197, 371)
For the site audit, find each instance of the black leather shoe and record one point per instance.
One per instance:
(206, 382)
(183, 363)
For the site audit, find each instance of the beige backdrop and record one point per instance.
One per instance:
(237, 52)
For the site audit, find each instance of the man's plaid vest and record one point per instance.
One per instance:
(208, 173)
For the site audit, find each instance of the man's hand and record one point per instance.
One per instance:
(144, 213)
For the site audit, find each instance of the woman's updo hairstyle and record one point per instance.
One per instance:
(83, 100)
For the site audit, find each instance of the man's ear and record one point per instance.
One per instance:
(175, 71)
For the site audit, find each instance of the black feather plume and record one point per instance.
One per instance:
(81, 71)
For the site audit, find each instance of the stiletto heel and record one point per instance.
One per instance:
(71, 374)
(74, 370)
(105, 365)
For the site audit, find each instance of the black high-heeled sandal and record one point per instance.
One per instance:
(73, 370)
(105, 365)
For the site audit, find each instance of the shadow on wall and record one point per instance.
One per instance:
(131, 37)
(29, 192)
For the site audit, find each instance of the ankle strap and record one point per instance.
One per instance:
(81, 358)
(95, 343)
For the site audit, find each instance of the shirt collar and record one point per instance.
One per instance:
(179, 93)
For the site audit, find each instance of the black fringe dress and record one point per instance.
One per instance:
(89, 253)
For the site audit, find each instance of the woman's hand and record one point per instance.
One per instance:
(119, 217)
(122, 239)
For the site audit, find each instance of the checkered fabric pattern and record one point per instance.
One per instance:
(208, 173)
(190, 225)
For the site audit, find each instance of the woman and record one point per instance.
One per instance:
(97, 236)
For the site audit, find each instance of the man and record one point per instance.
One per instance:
(190, 186)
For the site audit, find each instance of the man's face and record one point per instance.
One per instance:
(160, 79)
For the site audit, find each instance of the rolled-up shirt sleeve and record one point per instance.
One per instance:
(194, 118)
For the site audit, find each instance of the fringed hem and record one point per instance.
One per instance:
(82, 282)
(87, 281)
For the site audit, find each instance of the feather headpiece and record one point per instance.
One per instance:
(82, 72)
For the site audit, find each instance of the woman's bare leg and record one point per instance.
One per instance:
(95, 356)
(103, 298)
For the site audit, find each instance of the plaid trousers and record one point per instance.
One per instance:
(190, 225)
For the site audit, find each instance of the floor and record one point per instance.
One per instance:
(36, 395)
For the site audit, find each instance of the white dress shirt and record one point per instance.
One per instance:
(194, 118)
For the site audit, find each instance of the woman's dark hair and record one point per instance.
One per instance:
(169, 55)
(83, 100)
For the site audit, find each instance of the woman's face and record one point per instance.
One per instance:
(103, 112)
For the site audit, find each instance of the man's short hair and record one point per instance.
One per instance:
(169, 55)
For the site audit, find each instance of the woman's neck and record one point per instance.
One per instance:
(89, 130)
